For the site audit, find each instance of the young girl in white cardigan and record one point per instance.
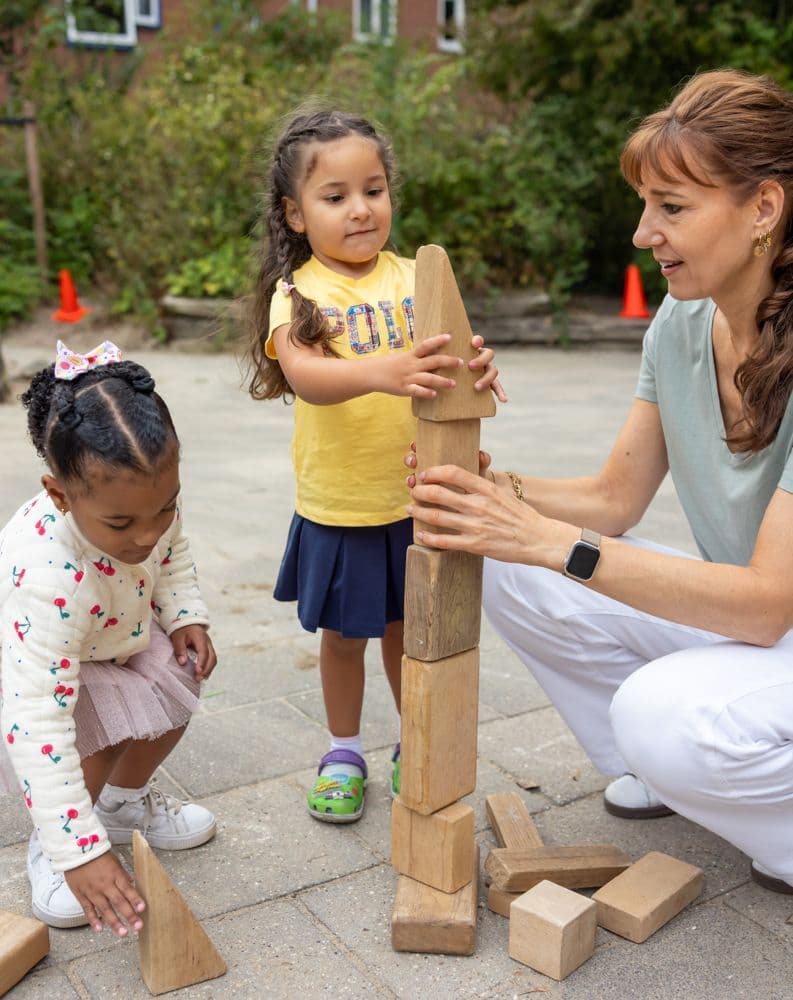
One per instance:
(104, 637)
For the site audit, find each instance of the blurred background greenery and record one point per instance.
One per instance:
(508, 153)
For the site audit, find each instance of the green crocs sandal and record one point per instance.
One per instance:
(338, 798)
(396, 773)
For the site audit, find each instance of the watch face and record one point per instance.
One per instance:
(582, 561)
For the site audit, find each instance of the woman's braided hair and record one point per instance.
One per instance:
(283, 250)
(737, 129)
(110, 414)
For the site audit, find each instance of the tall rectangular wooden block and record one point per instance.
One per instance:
(443, 610)
(440, 703)
(437, 849)
(23, 943)
(647, 895)
(552, 929)
(448, 443)
(428, 920)
(439, 308)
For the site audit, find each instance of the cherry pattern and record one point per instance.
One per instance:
(61, 693)
(86, 844)
(110, 623)
(104, 565)
(139, 586)
(60, 604)
(97, 610)
(43, 521)
(70, 815)
(63, 665)
(27, 793)
(16, 576)
(47, 751)
(10, 734)
(78, 573)
(22, 628)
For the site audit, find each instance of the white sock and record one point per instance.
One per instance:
(116, 794)
(345, 743)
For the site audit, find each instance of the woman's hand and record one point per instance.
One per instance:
(106, 891)
(486, 521)
(484, 465)
(484, 361)
(195, 638)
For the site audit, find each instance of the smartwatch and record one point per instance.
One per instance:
(583, 556)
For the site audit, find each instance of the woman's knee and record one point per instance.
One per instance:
(513, 595)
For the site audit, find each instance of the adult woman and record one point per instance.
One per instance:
(675, 670)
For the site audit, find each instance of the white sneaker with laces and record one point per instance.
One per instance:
(630, 798)
(165, 822)
(52, 902)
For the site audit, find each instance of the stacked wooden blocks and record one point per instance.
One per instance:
(552, 928)
(433, 844)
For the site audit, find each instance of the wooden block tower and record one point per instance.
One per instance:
(433, 844)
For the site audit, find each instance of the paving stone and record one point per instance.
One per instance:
(258, 673)
(43, 983)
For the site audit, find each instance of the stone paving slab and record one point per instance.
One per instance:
(298, 907)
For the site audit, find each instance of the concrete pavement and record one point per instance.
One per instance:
(299, 908)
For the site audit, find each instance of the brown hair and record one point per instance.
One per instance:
(731, 128)
(283, 250)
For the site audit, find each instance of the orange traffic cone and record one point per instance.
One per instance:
(634, 305)
(70, 311)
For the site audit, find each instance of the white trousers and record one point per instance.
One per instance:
(705, 721)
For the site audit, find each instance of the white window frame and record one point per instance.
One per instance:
(451, 44)
(153, 20)
(375, 35)
(126, 39)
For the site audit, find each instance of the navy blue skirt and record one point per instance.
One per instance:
(349, 580)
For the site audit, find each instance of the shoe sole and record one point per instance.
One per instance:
(54, 920)
(334, 817)
(640, 812)
(771, 883)
(123, 836)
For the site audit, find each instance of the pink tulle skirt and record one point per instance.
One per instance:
(142, 699)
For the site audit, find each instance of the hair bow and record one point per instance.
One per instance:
(286, 287)
(69, 364)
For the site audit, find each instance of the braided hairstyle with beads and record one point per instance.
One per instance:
(109, 414)
(729, 127)
(283, 250)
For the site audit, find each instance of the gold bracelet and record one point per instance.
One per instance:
(517, 486)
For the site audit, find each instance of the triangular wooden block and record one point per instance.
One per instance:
(439, 308)
(175, 950)
(23, 943)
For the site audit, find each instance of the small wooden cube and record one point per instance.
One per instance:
(438, 849)
(23, 943)
(647, 895)
(552, 929)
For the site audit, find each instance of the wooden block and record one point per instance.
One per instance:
(499, 901)
(439, 308)
(576, 867)
(443, 602)
(552, 929)
(437, 850)
(435, 922)
(23, 943)
(448, 443)
(440, 705)
(647, 895)
(174, 949)
(511, 822)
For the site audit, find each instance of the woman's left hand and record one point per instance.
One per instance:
(195, 638)
(487, 521)
(484, 361)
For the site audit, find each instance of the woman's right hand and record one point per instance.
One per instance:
(484, 465)
(106, 891)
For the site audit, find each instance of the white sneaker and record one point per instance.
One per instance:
(768, 880)
(53, 902)
(630, 798)
(165, 822)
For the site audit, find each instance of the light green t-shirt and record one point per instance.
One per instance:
(723, 495)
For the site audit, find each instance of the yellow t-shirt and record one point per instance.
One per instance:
(348, 458)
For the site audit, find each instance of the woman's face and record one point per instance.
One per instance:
(701, 237)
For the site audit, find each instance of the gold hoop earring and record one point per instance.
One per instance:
(763, 244)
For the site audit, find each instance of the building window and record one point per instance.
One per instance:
(374, 20)
(451, 25)
(101, 23)
(148, 14)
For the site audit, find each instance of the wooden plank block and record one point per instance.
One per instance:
(443, 602)
(575, 867)
(440, 705)
(447, 443)
(437, 850)
(23, 943)
(439, 308)
(511, 821)
(499, 901)
(552, 929)
(647, 895)
(430, 921)
(174, 949)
